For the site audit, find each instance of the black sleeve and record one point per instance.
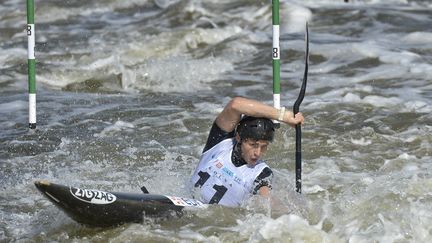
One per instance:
(216, 135)
(263, 179)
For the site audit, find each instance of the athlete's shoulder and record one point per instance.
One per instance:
(226, 144)
(263, 179)
(266, 172)
(215, 136)
(262, 164)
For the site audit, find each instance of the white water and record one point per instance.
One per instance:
(127, 91)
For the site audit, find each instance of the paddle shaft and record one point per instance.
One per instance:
(296, 109)
(298, 158)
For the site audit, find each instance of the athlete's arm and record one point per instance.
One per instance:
(275, 203)
(264, 191)
(263, 182)
(230, 116)
(263, 188)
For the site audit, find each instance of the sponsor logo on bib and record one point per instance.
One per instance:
(93, 196)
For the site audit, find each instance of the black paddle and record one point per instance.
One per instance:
(144, 190)
(296, 109)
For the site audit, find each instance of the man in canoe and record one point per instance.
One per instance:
(230, 169)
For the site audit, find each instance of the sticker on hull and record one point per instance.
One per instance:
(93, 196)
(185, 202)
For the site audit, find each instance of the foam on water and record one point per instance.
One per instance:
(64, 11)
(418, 38)
(139, 65)
(290, 228)
(295, 17)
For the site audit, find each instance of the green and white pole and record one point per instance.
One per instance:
(276, 55)
(31, 64)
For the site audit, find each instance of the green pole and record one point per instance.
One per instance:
(31, 64)
(276, 55)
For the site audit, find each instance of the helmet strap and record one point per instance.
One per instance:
(236, 157)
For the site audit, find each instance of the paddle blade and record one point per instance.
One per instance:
(144, 190)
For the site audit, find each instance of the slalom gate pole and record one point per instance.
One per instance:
(296, 109)
(31, 64)
(276, 56)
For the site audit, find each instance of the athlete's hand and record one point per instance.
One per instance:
(292, 120)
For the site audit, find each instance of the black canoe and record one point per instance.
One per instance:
(101, 208)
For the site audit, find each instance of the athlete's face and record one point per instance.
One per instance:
(252, 150)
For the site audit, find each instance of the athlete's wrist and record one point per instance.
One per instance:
(281, 114)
